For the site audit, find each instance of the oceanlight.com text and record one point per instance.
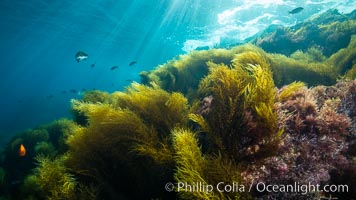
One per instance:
(300, 188)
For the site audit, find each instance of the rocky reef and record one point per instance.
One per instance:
(198, 125)
(328, 32)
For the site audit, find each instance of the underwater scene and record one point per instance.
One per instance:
(178, 99)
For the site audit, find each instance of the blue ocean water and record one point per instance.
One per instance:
(40, 38)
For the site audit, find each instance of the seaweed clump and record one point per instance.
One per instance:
(52, 180)
(240, 126)
(46, 140)
(199, 170)
(190, 164)
(132, 134)
(344, 59)
(242, 108)
(183, 74)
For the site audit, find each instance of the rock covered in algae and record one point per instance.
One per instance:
(330, 31)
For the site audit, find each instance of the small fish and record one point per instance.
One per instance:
(296, 10)
(80, 55)
(132, 63)
(64, 92)
(114, 67)
(128, 80)
(73, 91)
(22, 150)
(92, 65)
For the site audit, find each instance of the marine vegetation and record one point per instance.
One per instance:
(243, 130)
(47, 140)
(287, 70)
(243, 99)
(96, 96)
(132, 134)
(316, 138)
(312, 54)
(52, 180)
(193, 167)
(183, 74)
(190, 163)
(309, 66)
(331, 31)
(140, 135)
(344, 59)
(206, 120)
(289, 90)
(351, 74)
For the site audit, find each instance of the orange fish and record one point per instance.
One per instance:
(22, 150)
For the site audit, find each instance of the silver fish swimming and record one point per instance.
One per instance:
(80, 55)
(296, 10)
